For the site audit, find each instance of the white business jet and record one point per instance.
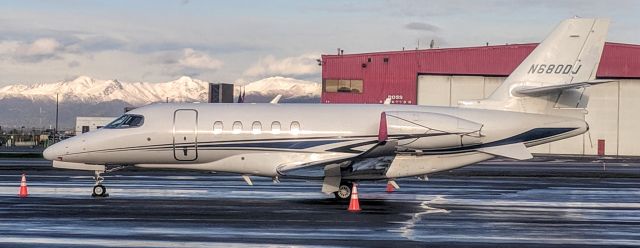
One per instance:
(542, 101)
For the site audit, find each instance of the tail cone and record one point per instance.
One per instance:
(23, 187)
(354, 204)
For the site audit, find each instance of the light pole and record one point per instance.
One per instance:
(55, 131)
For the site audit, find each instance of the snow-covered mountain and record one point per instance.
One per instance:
(184, 89)
(31, 105)
(86, 89)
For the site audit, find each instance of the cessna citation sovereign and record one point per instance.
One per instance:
(542, 101)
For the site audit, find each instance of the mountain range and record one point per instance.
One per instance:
(33, 105)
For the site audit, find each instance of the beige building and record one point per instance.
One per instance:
(87, 124)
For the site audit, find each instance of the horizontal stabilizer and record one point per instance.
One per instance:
(516, 151)
(546, 90)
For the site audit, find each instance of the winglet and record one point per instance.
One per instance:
(276, 99)
(516, 151)
(382, 131)
(387, 101)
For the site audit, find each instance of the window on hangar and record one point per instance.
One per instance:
(343, 85)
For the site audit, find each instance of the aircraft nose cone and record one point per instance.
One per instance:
(52, 152)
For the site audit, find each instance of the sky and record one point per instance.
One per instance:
(242, 41)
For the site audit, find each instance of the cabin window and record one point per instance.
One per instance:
(295, 128)
(237, 127)
(256, 127)
(126, 121)
(275, 127)
(217, 127)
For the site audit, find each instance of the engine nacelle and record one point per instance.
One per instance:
(426, 131)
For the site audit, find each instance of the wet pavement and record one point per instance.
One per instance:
(495, 204)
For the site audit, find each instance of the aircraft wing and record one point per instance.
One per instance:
(516, 151)
(309, 169)
(316, 167)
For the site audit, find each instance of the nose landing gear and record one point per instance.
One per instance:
(99, 190)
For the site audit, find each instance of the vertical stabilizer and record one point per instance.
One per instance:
(567, 61)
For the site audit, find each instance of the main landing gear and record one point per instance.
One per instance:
(344, 191)
(99, 190)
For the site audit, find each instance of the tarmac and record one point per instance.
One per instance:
(553, 203)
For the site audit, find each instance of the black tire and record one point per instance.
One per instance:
(99, 191)
(344, 191)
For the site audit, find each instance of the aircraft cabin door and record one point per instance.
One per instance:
(185, 134)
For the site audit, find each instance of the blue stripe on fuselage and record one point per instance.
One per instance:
(532, 135)
(528, 136)
(297, 144)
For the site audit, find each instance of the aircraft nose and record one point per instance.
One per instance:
(52, 152)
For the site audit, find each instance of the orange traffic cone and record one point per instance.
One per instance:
(390, 187)
(354, 205)
(23, 187)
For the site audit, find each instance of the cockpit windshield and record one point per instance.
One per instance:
(126, 121)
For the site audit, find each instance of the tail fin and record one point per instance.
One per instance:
(555, 74)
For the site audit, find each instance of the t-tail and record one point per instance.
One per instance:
(553, 78)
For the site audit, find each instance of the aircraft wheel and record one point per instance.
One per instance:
(344, 191)
(99, 191)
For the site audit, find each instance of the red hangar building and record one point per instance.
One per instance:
(442, 77)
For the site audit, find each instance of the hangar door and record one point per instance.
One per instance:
(447, 90)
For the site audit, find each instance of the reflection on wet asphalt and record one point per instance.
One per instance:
(501, 204)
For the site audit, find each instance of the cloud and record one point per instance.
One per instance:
(36, 51)
(69, 41)
(218, 48)
(303, 65)
(198, 60)
(422, 26)
(44, 46)
(91, 43)
(73, 64)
